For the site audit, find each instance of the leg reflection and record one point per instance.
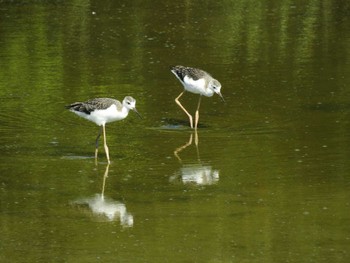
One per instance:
(183, 147)
(196, 172)
(105, 175)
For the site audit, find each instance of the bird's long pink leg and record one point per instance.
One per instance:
(183, 108)
(197, 113)
(105, 143)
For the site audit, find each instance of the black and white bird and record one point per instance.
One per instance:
(102, 111)
(196, 81)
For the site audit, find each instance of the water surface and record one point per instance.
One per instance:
(265, 179)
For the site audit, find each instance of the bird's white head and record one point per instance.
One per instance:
(216, 87)
(130, 104)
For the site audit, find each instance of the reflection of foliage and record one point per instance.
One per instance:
(73, 37)
(78, 49)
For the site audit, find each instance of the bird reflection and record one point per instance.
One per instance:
(197, 173)
(106, 209)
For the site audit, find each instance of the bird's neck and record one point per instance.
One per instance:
(209, 91)
(125, 111)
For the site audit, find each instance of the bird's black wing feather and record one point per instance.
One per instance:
(93, 104)
(193, 73)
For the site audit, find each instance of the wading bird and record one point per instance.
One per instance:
(102, 111)
(196, 81)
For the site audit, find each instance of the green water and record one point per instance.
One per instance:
(265, 179)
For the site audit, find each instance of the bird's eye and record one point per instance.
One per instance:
(128, 102)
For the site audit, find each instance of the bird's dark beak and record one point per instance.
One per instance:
(219, 93)
(134, 109)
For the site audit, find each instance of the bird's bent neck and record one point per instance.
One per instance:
(125, 111)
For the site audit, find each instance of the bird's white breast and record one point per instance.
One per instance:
(107, 115)
(198, 86)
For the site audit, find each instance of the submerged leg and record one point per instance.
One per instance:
(183, 108)
(105, 143)
(196, 142)
(197, 113)
(96, 142)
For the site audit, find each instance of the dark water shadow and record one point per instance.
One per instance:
(177, 124)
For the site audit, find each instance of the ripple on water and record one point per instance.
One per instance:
(76, 157)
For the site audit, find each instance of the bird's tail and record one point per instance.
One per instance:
(74, 106)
